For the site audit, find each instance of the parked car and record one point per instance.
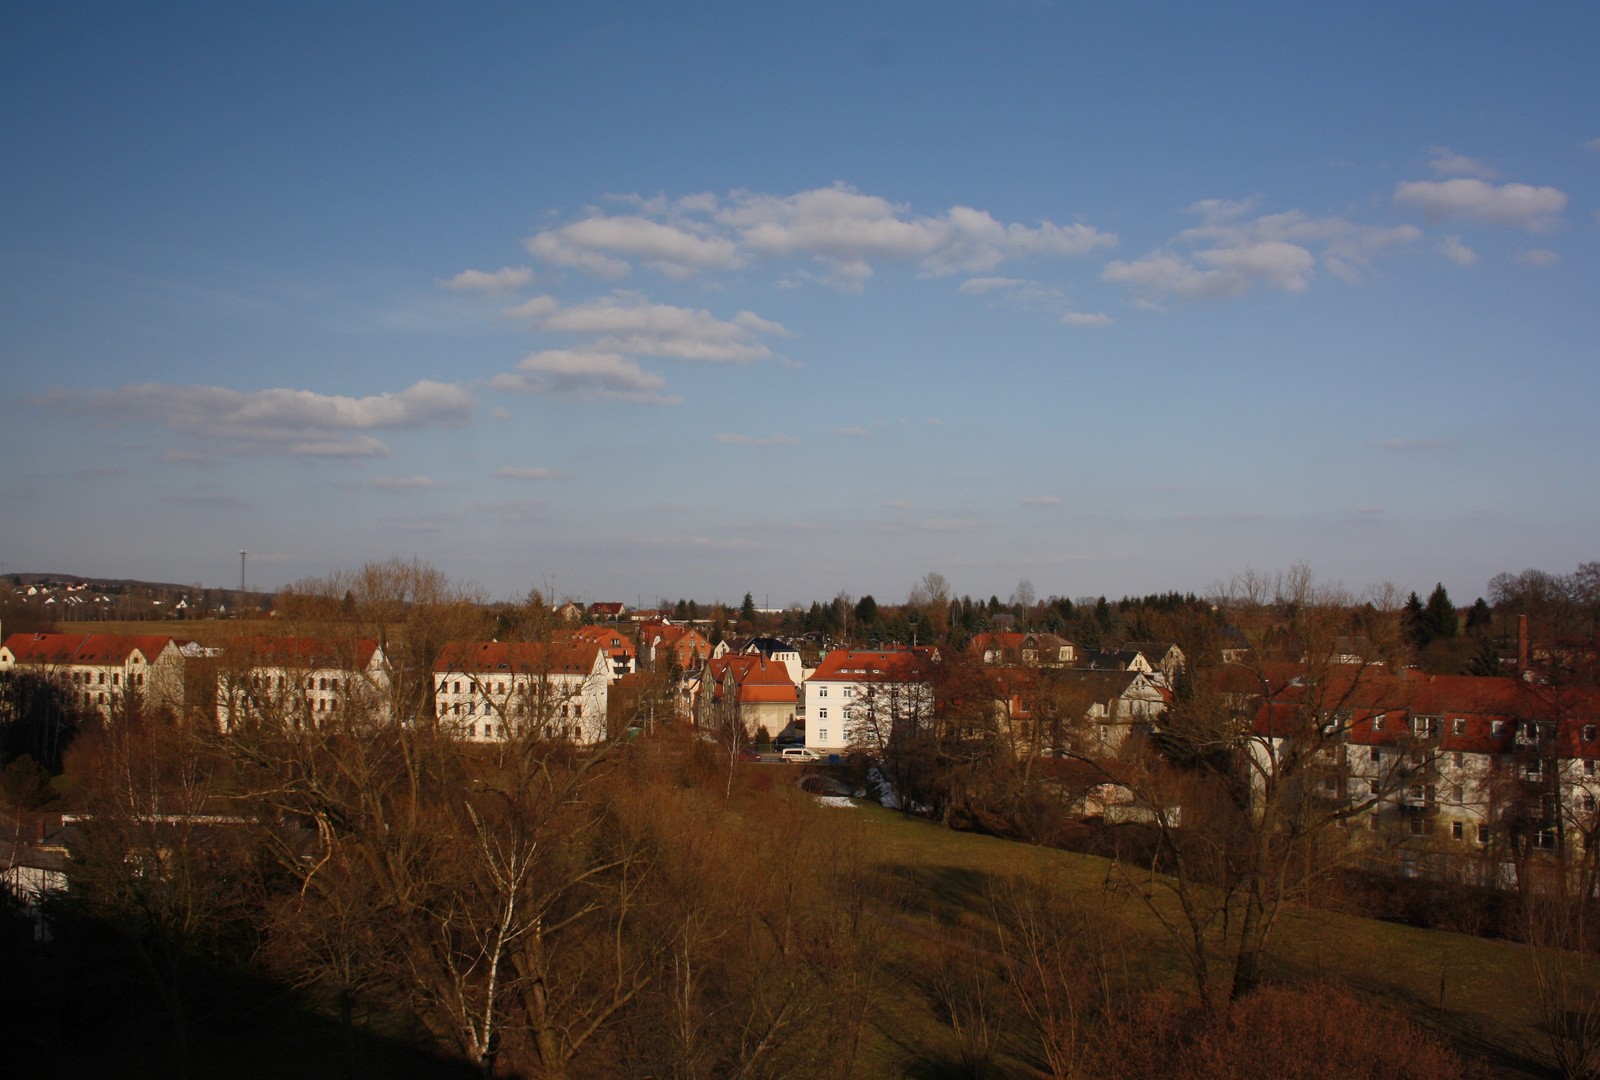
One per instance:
(800, 755)
(749, 755)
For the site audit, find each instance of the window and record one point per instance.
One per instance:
(488, 731)
(822, 691)
(849, 691)
(1455, 793)
(1590, 731)
(1374, 787)
(1457, 830)
(1458, 759)
(1416, 826)
(458, 688)
(1545, 838)
(472, 731)
(1377, 754)
(822, 714)
(1483, 834)
(1459, 727)
(1497, 728)
(460, 708)
(577, 710)
(444, 710)
(102, 678)
(1588, 803)
(324, 685)
(1588, 766)
(822, 735)
(1377, 722)
(115, 679)
(1534, 768)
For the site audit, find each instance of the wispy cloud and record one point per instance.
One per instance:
(1453, 249)
(527, 472)
(1230, 253)
(489, 283)
(770, 440)
(294, 422)
(1538, 257)
(406, 483)
(853, 432)
(842, 229)
(1446, 162)
(1041, 500)
(584, 375)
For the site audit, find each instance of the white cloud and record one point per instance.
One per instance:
(525, 472)
(853, 432)
(491, 283)
(844, 229)
(848, 229)
(536, 308)
(1241, 252)
(1592, 144)
(406, 483)
(298, 422)
(1446, 162)
(675, 251)
(771, 440)
(628, 323)
(1454, 249)
(586, 375)
(550, 247)
(1042, 500)
(1523, 206)
(1538, 257)
(1083, 318)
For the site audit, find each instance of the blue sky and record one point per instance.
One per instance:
(646, 300)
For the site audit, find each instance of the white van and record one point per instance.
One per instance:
(800, 755)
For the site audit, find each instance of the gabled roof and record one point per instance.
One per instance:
(853, 665)
(613, 640)
(98, 649)
(305, 653)
(766, 646)
(515, 657)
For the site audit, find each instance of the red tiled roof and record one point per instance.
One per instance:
(298, 652)
(851, 665)
(100, 649)
(534, 658)
(1382, 709)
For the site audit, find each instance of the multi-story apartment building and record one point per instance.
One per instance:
(857, 699)
(102, 670)
(488, 691)
(301, 682)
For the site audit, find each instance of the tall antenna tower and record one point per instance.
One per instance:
(241, 572)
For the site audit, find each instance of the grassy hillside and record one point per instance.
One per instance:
(1489, 1010)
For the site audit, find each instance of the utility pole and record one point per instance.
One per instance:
(241, 576)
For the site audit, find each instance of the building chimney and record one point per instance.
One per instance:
(1522, 646)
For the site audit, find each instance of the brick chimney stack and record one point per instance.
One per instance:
(1522, 646)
